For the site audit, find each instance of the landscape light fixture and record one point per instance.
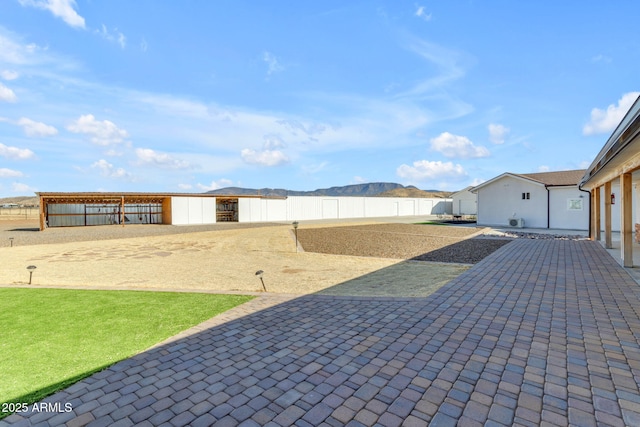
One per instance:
(295, 231)
(31, 268)
(11, 242)
(259, 273)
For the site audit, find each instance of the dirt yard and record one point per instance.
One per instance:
(216, 258)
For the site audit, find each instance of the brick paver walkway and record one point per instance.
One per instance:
(539, 333)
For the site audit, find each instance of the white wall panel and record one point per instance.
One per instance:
(276, 210)
(209, 210)
(179, 210)
(248, 210)
(193, 210)
(407, 207)
(330, 209)
(305, 208)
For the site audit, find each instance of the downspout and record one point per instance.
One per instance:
(546, 187)
(589, 201)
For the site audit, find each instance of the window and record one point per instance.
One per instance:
(526, 196)
(574, 204)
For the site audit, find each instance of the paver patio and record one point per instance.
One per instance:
(539, 333)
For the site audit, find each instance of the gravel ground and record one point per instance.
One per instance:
(434, 243)
(27, 232)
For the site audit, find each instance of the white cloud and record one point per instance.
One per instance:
(273, 66)
(264, 158)
(102, 133)
(314, 168)
(215, 185)
(7, 94)
(35, 129)
(9, 74)
(448, 62)
(543, 168)
(272, 142)
(18, 187)
(497, 133)
(108, 170)
(185, 187)
(15, 152)
(602, 58)
(425, 170)
(114, 37)
(9, 173)
(606, 121)
(64, 9)
(420, 13)
(358, 180)
(147, 156)
(455, 146)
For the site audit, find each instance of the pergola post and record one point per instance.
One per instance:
(595, 219)
(626, 226)
(122, 210)
(607, 215)
(42, 209)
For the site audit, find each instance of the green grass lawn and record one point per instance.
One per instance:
(51, 338)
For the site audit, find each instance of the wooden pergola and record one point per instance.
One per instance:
(120, 199)
(619, 160)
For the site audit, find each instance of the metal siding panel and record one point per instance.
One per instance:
(180, 210)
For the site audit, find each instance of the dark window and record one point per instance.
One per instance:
(526, 196)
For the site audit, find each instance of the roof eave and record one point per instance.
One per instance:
(624, 134)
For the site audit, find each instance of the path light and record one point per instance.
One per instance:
(295, 230)
(31, 268)
(259, 273)
(11, 242)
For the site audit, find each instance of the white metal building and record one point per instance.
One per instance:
(82, 209)
(537, 200)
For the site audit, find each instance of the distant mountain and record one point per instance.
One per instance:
(370, 189)
(21, 200)
(412, 191)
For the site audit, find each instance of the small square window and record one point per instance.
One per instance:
(526, 196)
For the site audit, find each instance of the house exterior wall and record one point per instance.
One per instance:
(569, 208)
(465, 203)
(502, 199)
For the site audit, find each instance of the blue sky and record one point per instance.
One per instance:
(190, 96)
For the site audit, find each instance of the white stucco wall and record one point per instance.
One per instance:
(501, 200)
(564, 203)
(465, 203)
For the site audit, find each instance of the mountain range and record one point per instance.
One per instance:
(378, 189)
